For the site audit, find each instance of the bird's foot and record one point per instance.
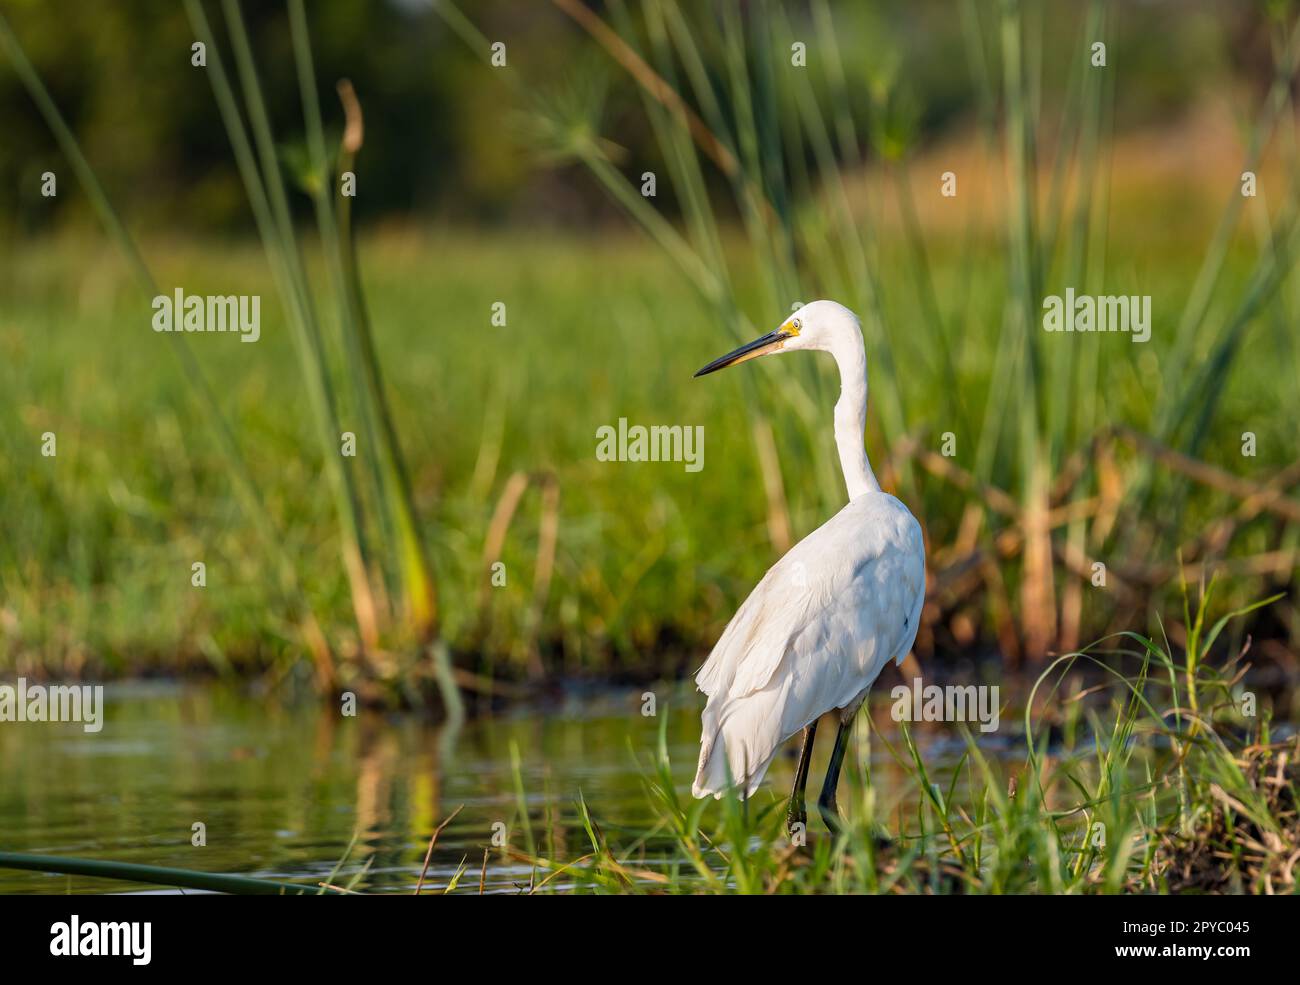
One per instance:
(830, 813)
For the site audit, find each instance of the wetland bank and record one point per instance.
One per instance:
(1106, 782)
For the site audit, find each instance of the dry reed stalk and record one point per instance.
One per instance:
(968, 530)
(1110, 485)
(322, 656)
(652, 82)
(433, 840)
(1067, 638)
(504, 512)
(996, 499)
(1209, 475)
(544, 566)
(1216, 538)
(1269, 563)
(1037, 586)
(1075, 559)
(354, 129)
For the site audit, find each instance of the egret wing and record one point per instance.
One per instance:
(811, 637)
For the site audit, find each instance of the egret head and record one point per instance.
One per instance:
(817, 325)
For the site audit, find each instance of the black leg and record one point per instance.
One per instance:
(826, 802)
(797, 814)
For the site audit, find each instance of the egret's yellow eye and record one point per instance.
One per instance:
(793, 326)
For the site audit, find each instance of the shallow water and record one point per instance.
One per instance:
(282, 790)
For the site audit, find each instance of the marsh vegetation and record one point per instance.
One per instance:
(477, 551)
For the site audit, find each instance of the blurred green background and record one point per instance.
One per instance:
(444, 139)
(464, 201)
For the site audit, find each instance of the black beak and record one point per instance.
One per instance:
(769, 342)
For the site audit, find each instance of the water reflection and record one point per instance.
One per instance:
(282, 790)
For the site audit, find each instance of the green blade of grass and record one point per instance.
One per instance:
(157, 875)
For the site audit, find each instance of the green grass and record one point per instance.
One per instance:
(159, 876)
(764, 157)
(1123, 789)
(230, 456)
(1137, 767)
(95, 563)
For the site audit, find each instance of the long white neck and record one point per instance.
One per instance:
(851, 415)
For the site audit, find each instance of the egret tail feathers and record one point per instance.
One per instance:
(739, 741)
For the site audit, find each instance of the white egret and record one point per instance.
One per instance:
(822, 623)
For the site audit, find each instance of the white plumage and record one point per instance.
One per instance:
(791, 654)
(822, 623)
